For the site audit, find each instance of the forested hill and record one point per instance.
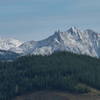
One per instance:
(60, 71)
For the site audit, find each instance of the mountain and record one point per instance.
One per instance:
(74, 40)
(5, 45)
(8, 43)
(25, 48)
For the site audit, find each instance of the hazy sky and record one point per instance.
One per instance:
(37, 19)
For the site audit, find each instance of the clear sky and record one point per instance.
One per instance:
(37, 19)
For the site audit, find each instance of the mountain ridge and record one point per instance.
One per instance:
(74, 40)
(7, 43)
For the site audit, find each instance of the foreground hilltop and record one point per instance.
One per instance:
(61, 71)
(57, 95)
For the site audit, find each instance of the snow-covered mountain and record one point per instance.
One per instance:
(8, 43)
(73, 40)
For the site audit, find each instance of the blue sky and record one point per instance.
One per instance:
(37, 19)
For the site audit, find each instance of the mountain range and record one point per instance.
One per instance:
(73, 40)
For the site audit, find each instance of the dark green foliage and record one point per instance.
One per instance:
(61, 71)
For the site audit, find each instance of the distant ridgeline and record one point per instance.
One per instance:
(60, 71)
(8, 55)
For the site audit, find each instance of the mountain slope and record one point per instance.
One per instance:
(5, 45)
(8, 43)
(73, 40)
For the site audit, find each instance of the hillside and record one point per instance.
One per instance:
(57, 95)
(61, 71)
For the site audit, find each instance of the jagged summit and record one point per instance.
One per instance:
(73, 29)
